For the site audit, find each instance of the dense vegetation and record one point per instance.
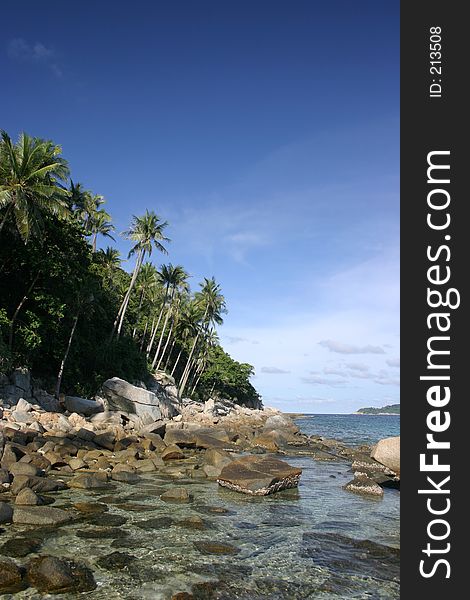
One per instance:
(393, 409)
(72, 314)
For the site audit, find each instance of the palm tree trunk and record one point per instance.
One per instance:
(167, 362)
(95, 235)
(138, 311)
(143, 335)
(177, 361)
(168, 312)
(197, 381)
(166, 345)
(184, 378)
(18, 308)
(152, 339)
(122, 310)
(62, 364)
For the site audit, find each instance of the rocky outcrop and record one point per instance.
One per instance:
(142, 406)
(259, 476)
(364, 485)
(83, 406)
(387, 453)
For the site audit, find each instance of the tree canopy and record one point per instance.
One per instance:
(73, 315)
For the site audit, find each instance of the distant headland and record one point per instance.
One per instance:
(391, 409)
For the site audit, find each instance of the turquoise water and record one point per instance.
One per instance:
(317, 541)
(351, 429)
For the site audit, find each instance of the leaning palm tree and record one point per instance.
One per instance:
(146, 232)
(212, 302)
(32, 183)
(146, 283)
(175, 278)
(187, 326)
(211, 339)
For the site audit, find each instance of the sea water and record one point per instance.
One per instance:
(317, 541)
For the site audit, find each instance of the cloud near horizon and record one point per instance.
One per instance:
(341, 348)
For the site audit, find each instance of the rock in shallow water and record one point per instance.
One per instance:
(55, 575)
(11, 577)
(40, 515)
(365, 486)
(206, 547)
(259, 475)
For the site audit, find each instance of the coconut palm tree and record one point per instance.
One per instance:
(32, 183)
(100, 224)
(212, 302)
(211, 339)
(147, 281)
(174, 278)
(146, 231)
(187, 326)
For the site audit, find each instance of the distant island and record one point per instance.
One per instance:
(391, 409)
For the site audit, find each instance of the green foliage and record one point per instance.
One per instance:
(227, 378)
(393, 409)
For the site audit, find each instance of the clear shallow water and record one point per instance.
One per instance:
(292, 545)
(351, 429)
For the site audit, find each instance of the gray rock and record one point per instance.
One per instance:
(26, 497)
(364, 485)
(87, 482)
(39, 515)
(38, 484)
(259, 475)
(6, 513)
(11, 577)
(387, 452)
(83, 405)
(22, 468)
(124, 397)
(21, 378)
(46, 401)
(177, 494)
(55, 575)
(23, 406)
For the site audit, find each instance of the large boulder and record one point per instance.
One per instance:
(121, 396)
(75, 404)
(387, 453)
(164, 387)
(259, 475)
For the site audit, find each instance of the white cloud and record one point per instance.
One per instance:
(20, 50)
(393, 362)
(274, 371)
(357, 366)
(315, 380)
(342, 348)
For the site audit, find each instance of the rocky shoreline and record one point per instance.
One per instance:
(126, 434)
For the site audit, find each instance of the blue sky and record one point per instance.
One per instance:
(267, 134)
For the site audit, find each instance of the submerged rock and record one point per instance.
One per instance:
(11, 577)
(178, 494)
(20, 547)
(206, 547)
(259, 475)
(6, 513)
(341, 554)
(55, 575)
